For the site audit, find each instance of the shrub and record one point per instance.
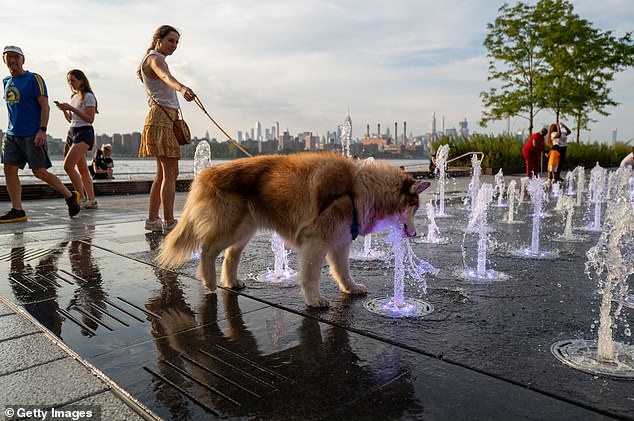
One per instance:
(504, 151)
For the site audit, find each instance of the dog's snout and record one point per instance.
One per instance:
(407, 231)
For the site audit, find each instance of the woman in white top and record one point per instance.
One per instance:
(158, 139)
(559, 140)
(80, 113)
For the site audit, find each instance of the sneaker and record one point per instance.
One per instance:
(13, 215)
(73, 203)
(89, 204)
(168, 228)
(154, 226)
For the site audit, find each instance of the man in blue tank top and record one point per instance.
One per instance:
(25, 142)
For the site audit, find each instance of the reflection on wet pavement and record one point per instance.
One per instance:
(186, 353)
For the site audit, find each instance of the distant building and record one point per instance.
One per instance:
(311, 142)
(258, 131)
(464, 128)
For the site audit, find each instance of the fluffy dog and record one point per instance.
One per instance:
(317, 202)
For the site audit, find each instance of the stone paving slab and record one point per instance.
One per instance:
(14, 326)
(28, 351)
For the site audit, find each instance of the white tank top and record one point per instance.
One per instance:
(159, 90)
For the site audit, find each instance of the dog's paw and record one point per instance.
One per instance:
(358, 289)
(235, 284)
(211, 286)
(317, 302)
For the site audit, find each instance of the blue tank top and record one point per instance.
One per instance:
(21, 94)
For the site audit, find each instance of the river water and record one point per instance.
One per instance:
(144, 169)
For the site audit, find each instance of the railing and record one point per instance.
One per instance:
(419, 167)
(467, 154)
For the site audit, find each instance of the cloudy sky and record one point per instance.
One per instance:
(302, 63)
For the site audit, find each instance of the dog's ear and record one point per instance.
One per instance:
(420, 186)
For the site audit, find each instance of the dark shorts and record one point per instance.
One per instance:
(81, 134)
(19, 150)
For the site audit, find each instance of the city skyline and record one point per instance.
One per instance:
(300, 65)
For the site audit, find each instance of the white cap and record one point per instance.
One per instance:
(13, 49)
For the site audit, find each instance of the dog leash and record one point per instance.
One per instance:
(202, 107)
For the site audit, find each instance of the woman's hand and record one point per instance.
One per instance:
(64, 106)
(188, 94)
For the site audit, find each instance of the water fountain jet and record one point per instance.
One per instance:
(441, 165)
(404, 261)
(612, 260)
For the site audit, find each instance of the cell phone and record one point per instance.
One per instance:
(56, 102)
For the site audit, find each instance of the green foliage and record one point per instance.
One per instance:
(544, 56)
(589, 155)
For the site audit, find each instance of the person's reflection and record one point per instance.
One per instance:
(168, 303)
(89, 281)
(30, 285)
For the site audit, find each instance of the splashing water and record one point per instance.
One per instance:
(596, 189)
(511, 196)
(346, 135)
(474, 185)
(499, 188)
(568, 208)
(523, 184)
(570, 211)
(611, 185)
(570, 182)
(478, 224)
(537, 192)
(441, 164)
(405, 262)
(202, 160)
(281, 271)
(202, 157)
(559, 206)
(433, 232)
(581, 182)
(612, 260)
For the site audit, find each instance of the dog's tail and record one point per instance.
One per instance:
(180, 245)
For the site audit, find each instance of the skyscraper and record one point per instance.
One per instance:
(258, 130)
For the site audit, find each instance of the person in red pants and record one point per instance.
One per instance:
(532, 152)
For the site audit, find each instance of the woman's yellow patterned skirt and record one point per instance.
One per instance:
(158, 137)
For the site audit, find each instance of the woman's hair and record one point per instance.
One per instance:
(85, 86)
(160, 33)
(106, 147)
(552, 128)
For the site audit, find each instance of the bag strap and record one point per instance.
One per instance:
(162, 108)
(154, 99)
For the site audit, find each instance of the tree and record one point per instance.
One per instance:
(546, 56)
(514, 47)
(581, 62)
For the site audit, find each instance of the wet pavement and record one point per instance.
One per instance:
(175, 351)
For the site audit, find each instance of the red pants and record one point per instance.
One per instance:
(531, 163)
